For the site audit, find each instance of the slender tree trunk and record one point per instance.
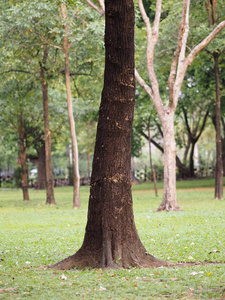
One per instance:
(22, 159)
(111, 239)
(150, 161)
(49, 175)
(169, 201)
(41, 180)
(187, 147)
(191, 160)
(75, 158)
(219, 162)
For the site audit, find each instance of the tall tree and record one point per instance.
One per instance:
(75, 164)
(166, 112)
(50, 200)
(111, 239)
(211, 9)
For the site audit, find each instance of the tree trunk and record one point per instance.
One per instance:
(187, 147)
(88, 150)
(182, 169)
(169, 201)
(49, 175)
(191, 160)
(22, 159)
(150, 161)
(111, 239)
(219, 162)
(41, 180)
(75, 159)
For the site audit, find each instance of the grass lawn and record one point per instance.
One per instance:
(33, 235)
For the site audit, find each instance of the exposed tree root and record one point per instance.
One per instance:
(167, 207)
(81, 260)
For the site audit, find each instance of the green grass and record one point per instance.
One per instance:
(33, 235)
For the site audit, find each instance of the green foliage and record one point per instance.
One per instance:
(17, 177)
(34, 235)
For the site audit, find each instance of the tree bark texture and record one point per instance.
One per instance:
(219, 161)
(49, 175)
(22, 159)
(75, 158)
(169, 201)
(111, 239)
(41, 180)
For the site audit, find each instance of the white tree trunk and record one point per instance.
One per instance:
(76, 174)
(169, 201)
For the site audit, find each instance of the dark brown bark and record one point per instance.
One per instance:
(49, 175)
(111, 239)
(41, 180)
(88, 150)
(22, 160)
(219, 162)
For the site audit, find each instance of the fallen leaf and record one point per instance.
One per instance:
(7, 290)
(63, 277)
(194, 273)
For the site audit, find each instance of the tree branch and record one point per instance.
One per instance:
(181, 45)
(16, 70)
(101, 2)
(203, 124)
(143, 84)
(152, 38)
(186, 121)
(102, 12)
(183, 65)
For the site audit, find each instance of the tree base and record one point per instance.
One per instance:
(83, 259)
(167, 207)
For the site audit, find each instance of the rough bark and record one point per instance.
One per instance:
(75, 159)
(49, 175)
(219, 161)
(41, 180)
(22, 160)
(111, 239)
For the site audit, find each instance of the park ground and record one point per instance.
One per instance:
(33, 235)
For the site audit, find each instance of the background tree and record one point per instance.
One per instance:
(211, 7)
(166, 111)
